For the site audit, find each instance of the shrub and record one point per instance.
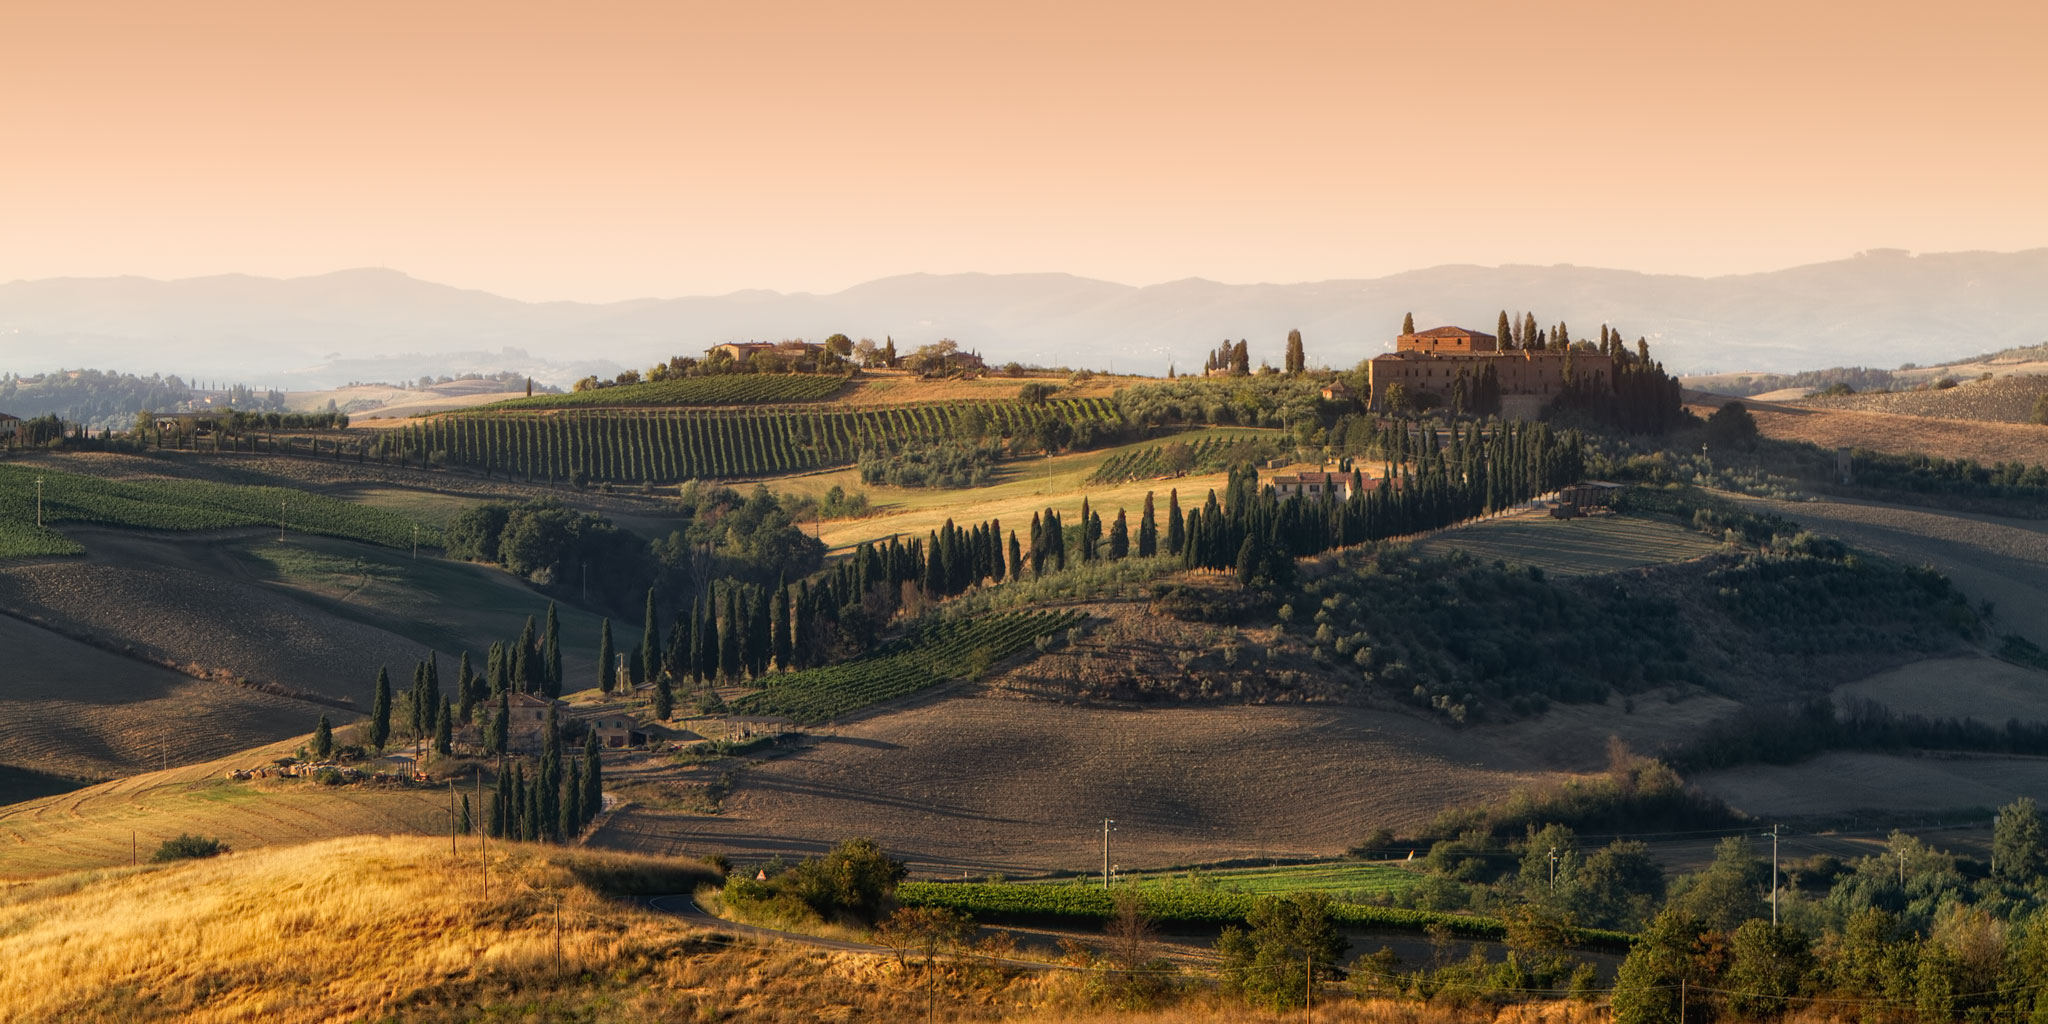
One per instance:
(188, 847)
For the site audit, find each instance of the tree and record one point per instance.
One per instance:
(1176, 524)
(1119, 536)
(1769, 964)
(467, 825)
(1646, 989)
(1408, 323)
(323, 740)
(593, 778)
(1241, 360)
(1729, 891)
(444, 729)
(1731, 426)
(380, 711)
(1148, 530)
(2019, 850)
(501, 725)
(1506, 337)
(551, 654)
(1296, 360)
(650, 654)
(606, 677)
(2040, 414)
(1289, 937)
(664, 699)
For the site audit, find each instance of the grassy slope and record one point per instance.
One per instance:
(1019, 489)
(1572, 547)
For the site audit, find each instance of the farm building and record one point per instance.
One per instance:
(9, 426)
(616, 729)
(1313, 484)
(526, 733)
(1441, 360)
(741, 351)
(1337, 391)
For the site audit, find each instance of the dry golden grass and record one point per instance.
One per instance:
(398, 929)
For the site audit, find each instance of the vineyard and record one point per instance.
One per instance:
(1185, 905)
(935, 654)
(1207, 452)
(177, 505)
(672, 445)
(718, 389)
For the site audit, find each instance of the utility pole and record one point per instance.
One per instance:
(454, 822)
(483, 837)
(1308, 988)
(1774, 876)
(1106, 830)
(1553, 869)
(39, 502)
(280, 520)
(415, 542)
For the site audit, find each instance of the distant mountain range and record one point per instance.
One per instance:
(1879, 308)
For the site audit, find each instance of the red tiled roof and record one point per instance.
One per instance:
(1453, 332)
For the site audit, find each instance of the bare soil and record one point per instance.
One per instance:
(1978, 687)
(2007, 399)
(982, 784)
(1838, 783)
(73, 710)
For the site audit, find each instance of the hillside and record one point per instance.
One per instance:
(2008, 399)
(326, 330)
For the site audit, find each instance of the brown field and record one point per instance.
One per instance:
(305, 614)
(101, 825)
(74, 710)
(896, 387)
(2008, 399)
(1889, 432)
(1982, 688)
(1835, 784)
(977, 783)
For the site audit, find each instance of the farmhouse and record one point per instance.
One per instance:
(741, 351)
(1441, 361)
(1312, 484)
(9, 426)
(527, 732)
(617, 729)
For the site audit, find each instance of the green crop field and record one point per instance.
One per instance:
(938, 653)
(672, 445)
(1207, 451)
(1352, 880)
(1572, 547)
(178, 505)
(718, 389)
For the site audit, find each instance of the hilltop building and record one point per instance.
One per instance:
(1439, 361)
(741, 351)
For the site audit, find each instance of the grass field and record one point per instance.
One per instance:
(1572, 547)
(1352, 880)
(1019, 488)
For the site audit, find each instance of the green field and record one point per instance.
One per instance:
(934, 655)
(718, 389)
(1572, 547)
(1207, 451)
(179, 505)
(1350, 880)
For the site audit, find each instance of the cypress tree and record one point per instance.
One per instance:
(525, 673)
(650, 655)
(1148, 529)
(707, 638)
(664, 699)
(465, 828)
(1119, 537)
(593, 778)
(380, 711)
(465, 690)
(1408, 323)
(778, 621)
(572, 801)
(1088, 533)
(551, 653)
(501, 726)
(500, 672)
(1016, 557)
(1297, 361)
(1506, 333)
(323, 739)
(500, 806)
(606, 678)
(444, 729)
(729, 640)
(760, 645)
(1176, 528)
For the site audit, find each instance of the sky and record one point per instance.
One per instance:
(606, 150)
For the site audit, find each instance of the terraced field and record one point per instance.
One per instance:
(721, 389)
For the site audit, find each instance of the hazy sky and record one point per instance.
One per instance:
(596, 150)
